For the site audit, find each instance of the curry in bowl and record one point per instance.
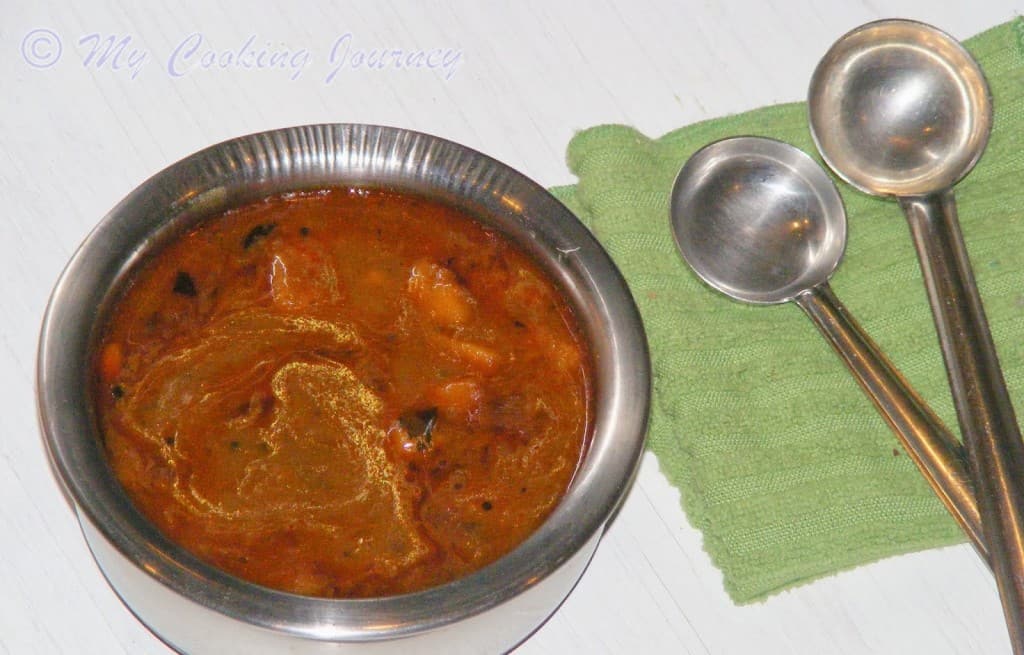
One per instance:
(231, 391)
(348, 392)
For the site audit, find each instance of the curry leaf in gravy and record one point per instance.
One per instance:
(420, 425)
(184, 285)
(257, 233)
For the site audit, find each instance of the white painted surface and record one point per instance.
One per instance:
(78, 134)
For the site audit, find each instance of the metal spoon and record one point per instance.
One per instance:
(760, 221)
(899, 108)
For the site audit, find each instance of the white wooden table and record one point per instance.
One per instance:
(79, 131)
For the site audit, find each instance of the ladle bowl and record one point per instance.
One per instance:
(758, 220)
(899, 108)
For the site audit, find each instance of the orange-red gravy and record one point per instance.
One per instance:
(345, 393)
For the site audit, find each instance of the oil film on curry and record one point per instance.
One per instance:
(343, 393)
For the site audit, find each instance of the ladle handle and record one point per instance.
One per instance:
(991, 434)
(924, 437)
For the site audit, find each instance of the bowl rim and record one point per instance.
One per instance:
(251, 164)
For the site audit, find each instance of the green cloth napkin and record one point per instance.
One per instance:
(781, 460)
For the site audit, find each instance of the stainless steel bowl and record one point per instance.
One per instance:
(197, 608)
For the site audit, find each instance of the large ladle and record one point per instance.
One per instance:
(899, 108)
(760, 221)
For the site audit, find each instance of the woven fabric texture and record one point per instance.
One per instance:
(781, 460)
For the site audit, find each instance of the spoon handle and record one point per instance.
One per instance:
(991, 434)
(924, 437)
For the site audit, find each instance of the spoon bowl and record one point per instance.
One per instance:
(899, 108)
(758, 219)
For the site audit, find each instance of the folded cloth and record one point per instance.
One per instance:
(781, 460)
